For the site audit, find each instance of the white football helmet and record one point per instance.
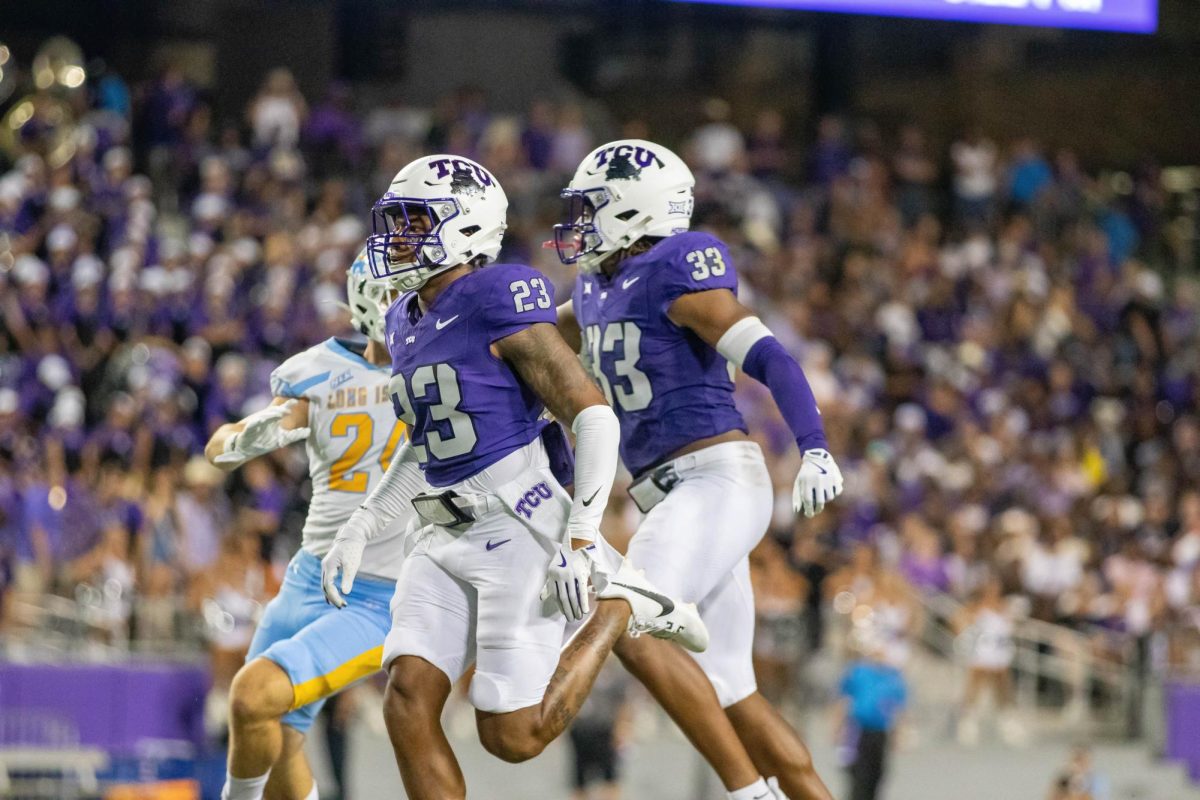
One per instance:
(439, 212)
(368, 298)
(622, 191)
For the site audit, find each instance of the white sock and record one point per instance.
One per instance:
(313, 794)
(245, 788)
(759, 790)
(774, 784)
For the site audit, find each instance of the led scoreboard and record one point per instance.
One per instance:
(1138, 16)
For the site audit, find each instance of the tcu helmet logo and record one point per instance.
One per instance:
(466, 177)
(532, 499)
(626, 162)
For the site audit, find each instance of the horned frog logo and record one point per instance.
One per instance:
(463, 181)
(622, 169)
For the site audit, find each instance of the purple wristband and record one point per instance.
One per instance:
(771, 365)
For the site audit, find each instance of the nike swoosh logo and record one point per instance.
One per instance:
(588, 502)
(493, 545)
(564, 558)
(668, 605)
(761, 796)
(823, 470)
(630, 282)
(441, 323)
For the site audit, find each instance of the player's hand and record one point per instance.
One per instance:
(346, 556)
(819, 481)
(567, 581)
(261, 434)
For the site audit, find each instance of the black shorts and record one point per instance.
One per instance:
(595, 755)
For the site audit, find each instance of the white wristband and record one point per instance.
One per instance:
(736, 342)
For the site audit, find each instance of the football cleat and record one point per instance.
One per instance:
(653, 612)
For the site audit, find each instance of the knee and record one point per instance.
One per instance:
(510, 744)
(261, 690)
(404, 705)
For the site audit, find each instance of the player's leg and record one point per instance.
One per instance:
(261, 692)
(772, 743)
(416, 694)
(338, 649)
(291, 773)
(525, 690)
(695, 545)
(430, 645)
(777, 749)
(678, 684)
(521, 734)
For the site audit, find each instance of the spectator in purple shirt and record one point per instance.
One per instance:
(922, 563)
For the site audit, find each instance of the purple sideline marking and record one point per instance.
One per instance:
(1135, 16)
(1183, 720)
(114, 707)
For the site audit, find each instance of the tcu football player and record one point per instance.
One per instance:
(656, 317)
(335, 397)
(476, 363)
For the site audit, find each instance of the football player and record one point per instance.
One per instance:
(335, 397)
(655, 315)
(476, 363)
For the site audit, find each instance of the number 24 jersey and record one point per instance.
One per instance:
(354, 436)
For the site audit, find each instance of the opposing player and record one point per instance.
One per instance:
(335, 397)
(476, 363)
(656, 316)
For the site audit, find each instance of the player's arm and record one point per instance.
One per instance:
(281, 423)
(719, 319)
(568, 326)
(390, 499)
(547, 364)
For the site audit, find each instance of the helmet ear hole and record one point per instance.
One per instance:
(627, 215)
(470, 230)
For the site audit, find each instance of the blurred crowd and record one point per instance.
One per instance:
(1005, 344)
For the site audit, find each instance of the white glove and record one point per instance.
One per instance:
(261, 434)
(819, 481)
(567, 581)
(346, 555)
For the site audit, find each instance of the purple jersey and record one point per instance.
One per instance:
(668, 387)
(467, 409)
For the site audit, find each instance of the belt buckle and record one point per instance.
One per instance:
(650, 489)
(440, 509)
(665, 477)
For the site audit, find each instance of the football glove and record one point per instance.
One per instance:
(819, 481)
(261, 434)
(346, 555)
(567, 581)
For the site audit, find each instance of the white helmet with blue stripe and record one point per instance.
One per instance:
(368, 298)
